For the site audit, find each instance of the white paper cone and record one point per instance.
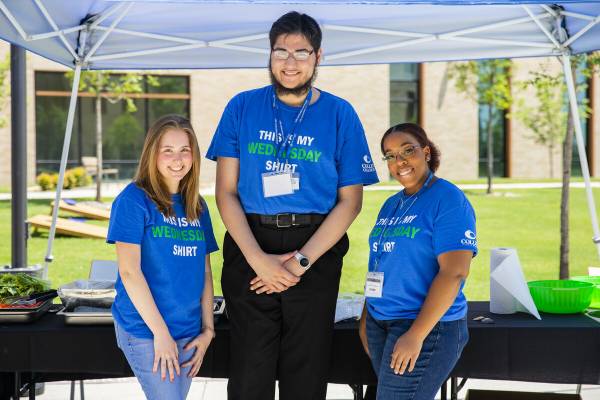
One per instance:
(508, 289)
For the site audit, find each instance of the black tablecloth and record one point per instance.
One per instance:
(559, 349)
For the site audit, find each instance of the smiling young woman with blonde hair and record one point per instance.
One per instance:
(163, 235)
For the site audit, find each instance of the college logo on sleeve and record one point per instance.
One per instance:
(367, 165)
(469, 239)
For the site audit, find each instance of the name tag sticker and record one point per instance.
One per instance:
(374, 284)
(277, 184)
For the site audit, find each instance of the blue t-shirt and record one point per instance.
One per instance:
(173, 252)
(329, 150)
(436, 220)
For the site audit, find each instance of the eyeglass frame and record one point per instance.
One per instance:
(291, 53)
(395, 156)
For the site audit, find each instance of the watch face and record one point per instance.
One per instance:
(304, 262)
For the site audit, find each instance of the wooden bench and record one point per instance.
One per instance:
(84, 210)
(67, 227)
(91, 167)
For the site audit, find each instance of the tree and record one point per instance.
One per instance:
(114, 88)
(587, 64)
(551, 122)
(547, 119)
(590, 63)
(4, 87)
(487, 83)
(567, 159)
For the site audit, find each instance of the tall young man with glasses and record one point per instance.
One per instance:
(291, 164)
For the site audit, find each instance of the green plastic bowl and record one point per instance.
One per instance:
(596, 295)
(561, 296)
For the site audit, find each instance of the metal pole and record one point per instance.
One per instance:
(566, 61)
(18, 156)
(63, 166)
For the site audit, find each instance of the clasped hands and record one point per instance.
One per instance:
(276, 273)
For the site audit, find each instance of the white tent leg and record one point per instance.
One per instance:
(63, 166)
(566, 61)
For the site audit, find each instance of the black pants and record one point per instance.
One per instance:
(285, 336)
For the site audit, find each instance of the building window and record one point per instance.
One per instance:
(123, 132)
(404, 93)
(499, 138)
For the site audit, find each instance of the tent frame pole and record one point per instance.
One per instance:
(61, 35)
(13, 21)
(567, 69)
(589, 26)
(105, 35)
(63, 166)
(542, 27)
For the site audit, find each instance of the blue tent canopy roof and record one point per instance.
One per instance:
(160, 34)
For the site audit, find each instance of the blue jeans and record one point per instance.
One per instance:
(440, 352)
(140, 355)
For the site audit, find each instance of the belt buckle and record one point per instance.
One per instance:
(287, 225)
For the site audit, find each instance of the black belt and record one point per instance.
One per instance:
(289, 220)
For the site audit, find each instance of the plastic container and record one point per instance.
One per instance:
(561, 296)
(88, 293)
(349, 306)
(596, 281)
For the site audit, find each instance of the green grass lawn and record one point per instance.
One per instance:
(525, 219)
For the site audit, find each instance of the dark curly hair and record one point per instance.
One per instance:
(419, 134)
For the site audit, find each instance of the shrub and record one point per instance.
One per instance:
(81, 177)
(46, 181)
(70, 180)
(75, 177)
(54, 180)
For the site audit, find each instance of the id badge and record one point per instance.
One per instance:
(374, 284)
(277, 184)
(296, 181)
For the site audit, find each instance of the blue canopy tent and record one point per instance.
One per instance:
(171, 34)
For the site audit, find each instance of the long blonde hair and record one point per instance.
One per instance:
(149, 179)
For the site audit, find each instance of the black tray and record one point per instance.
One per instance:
(21, 315)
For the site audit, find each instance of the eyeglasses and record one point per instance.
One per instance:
(407, 153)
(299, 55)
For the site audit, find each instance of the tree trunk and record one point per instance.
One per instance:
(98, 147)
(567, 158)
(490, 149)
(551, 159)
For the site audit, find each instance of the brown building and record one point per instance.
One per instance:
(381, 94)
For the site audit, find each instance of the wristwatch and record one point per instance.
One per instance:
(302, 260)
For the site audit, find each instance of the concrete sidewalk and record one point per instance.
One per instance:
(111, 189)
(216, 389)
